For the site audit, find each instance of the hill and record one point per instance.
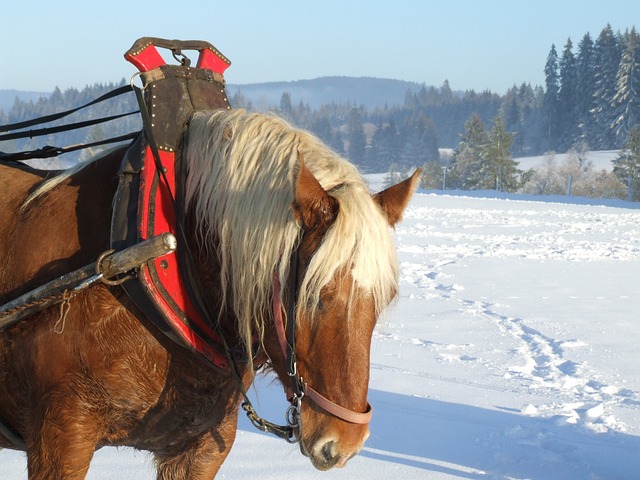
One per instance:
(8, 97)
(363, 91)
(367, 91)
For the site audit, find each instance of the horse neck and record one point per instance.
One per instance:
(207, 277)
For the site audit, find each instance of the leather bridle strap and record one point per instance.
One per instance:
(288, 350)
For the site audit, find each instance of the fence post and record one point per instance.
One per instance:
(569, 185)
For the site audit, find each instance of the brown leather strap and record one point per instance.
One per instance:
(313, 395)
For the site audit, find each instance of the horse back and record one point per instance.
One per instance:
(59, 231)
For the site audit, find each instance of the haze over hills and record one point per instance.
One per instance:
(365, 91)
(8, 97)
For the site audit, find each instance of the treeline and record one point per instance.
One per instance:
(592, 95)
(68, 99)
(401, 135)
(590, 101)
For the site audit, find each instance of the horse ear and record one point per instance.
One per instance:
(313, 206)
(394, 199)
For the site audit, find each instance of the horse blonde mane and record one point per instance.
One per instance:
(242, 170)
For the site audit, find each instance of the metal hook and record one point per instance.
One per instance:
(181, 57)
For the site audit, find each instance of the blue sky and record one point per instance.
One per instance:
(475, 44)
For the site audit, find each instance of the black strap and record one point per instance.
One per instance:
(14, 437)
(62, 128)
(151, 141)
(55, 116)
(49, 151)
(292, 368)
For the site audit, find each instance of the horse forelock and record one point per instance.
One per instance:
(240, 182)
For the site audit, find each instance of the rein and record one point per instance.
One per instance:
(299, 388)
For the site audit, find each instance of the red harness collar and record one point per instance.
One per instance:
(149, 198)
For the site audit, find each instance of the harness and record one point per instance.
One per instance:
(170, 283)
(149, 205)
(149, 200)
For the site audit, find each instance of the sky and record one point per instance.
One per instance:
(474, 44)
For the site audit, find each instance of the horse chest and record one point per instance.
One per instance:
(186, 409)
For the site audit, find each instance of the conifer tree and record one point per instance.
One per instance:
(356, 138)
(498, 169)
(626, 101)
(607, 60)
(385, 147)
(567, 98)
(321, 127)
(420, 141)
(550, 101)
(585, 88)
(432, 174)
(286, 108)
(627, 165)
(392, 176)
(466, 163)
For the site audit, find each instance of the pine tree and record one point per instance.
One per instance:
(356, 138)
(432, 174)
(384, 147)
(567, 98)
(517, 111)
(550, 101)
(607, 60)
(466, 163)
(626, 101)
(585, 88)
(498, 169)
(627, 165)
(392, 177)
(286, 108)
(420, 142)
(321, 127)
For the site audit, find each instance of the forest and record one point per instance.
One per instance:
(466, 140)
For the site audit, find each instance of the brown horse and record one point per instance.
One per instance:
(257, 190)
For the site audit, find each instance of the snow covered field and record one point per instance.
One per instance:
(600, 160)
(513, 352)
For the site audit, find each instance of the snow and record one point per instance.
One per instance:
(600, 160)
(513, 352)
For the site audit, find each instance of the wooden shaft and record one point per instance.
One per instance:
(111, 265)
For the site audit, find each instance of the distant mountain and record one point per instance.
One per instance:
(367, 91)
(8, 97)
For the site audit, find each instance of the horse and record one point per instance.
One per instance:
(264, 201)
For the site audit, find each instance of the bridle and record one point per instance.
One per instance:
(287, 340)
(298, 389)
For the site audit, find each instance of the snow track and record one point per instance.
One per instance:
(488, 234)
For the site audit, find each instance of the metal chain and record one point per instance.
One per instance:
(285, 432)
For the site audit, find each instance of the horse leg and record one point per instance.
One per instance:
(63, 441)
(201, 461)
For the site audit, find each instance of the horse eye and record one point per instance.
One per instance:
(320, 305)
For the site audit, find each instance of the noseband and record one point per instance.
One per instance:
(299, 388)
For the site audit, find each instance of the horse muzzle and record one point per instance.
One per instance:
(327, 452)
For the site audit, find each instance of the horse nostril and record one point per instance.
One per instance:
(327, 451)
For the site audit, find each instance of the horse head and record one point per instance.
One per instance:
(334, 330)
(294, 224)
